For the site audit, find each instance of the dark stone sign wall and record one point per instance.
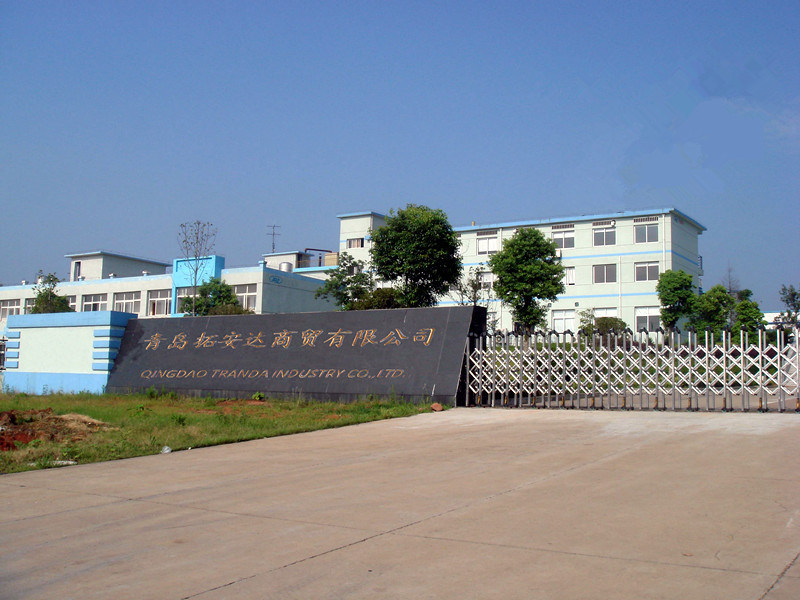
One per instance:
(413, 353)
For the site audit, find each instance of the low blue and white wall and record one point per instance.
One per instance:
(62, 352)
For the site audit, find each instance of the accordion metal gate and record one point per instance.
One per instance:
(635, 370)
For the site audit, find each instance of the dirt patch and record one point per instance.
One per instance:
(20, 427)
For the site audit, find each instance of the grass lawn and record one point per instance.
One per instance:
(85, 428)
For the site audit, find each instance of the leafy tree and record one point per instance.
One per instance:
(46, 299)
(606, 325)
(603, 325)
(713, 309)
(529, 275)
(417, 250)
(380, 298)
(348, 284)
(748, 317)
(214, 297)
(586, 321)
(791, 299)
(196, 240)
(677, 297)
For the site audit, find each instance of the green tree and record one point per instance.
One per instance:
(46, 298)
(603, 325)
(417, 250)
(748, 317)
(380, 298)
(677, 297)
(214, 297)
(713, 309)
(348, 283)
(791, 300)
(529, 275)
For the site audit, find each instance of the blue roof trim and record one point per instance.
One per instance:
(597, 217)
(71, 319)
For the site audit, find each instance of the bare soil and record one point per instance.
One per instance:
(20, 427)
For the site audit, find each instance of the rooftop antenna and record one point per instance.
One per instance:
(273, 234)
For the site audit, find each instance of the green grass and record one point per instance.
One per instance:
(142, 424)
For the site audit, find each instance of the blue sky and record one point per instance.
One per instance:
(121, 120)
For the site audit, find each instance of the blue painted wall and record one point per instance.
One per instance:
(63, 352)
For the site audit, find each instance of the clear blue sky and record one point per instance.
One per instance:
(120, 120)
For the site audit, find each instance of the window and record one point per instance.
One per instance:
(158, 302)
(564, 320)
(605, 312)
(94, 302)
(8, 307)
(486, 279)
(76, 270)
(72, 301)
(605, 236)
(29, 305)
(605, 273)
(646, 233)
(246, 295)
(355, 243)
(487, 241)
(647, 317)
(646, 271)
(564, 239)
(569, 275)
(129, 302)
(180, 294)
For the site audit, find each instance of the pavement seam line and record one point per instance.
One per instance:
(583, 554)
(777, 581)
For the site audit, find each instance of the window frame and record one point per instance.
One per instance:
(10, 306)
(155, 299)
(487, 241)
(650, 313)
(567, 315)
(564, 239)
(605, 267)
(94, 302)
(608, 235)
(647, 267)
(247, 297)
(647, 228)
(130, 302)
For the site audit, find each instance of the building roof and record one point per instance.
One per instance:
(596, 217)
(366, 213)
(117, 255)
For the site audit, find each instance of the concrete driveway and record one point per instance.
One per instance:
(470, 503)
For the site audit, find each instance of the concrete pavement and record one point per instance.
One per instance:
(470, 503)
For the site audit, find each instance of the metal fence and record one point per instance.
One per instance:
(636, 370)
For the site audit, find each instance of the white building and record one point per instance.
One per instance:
(612, 261)
(101, 281)
(612, 264)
